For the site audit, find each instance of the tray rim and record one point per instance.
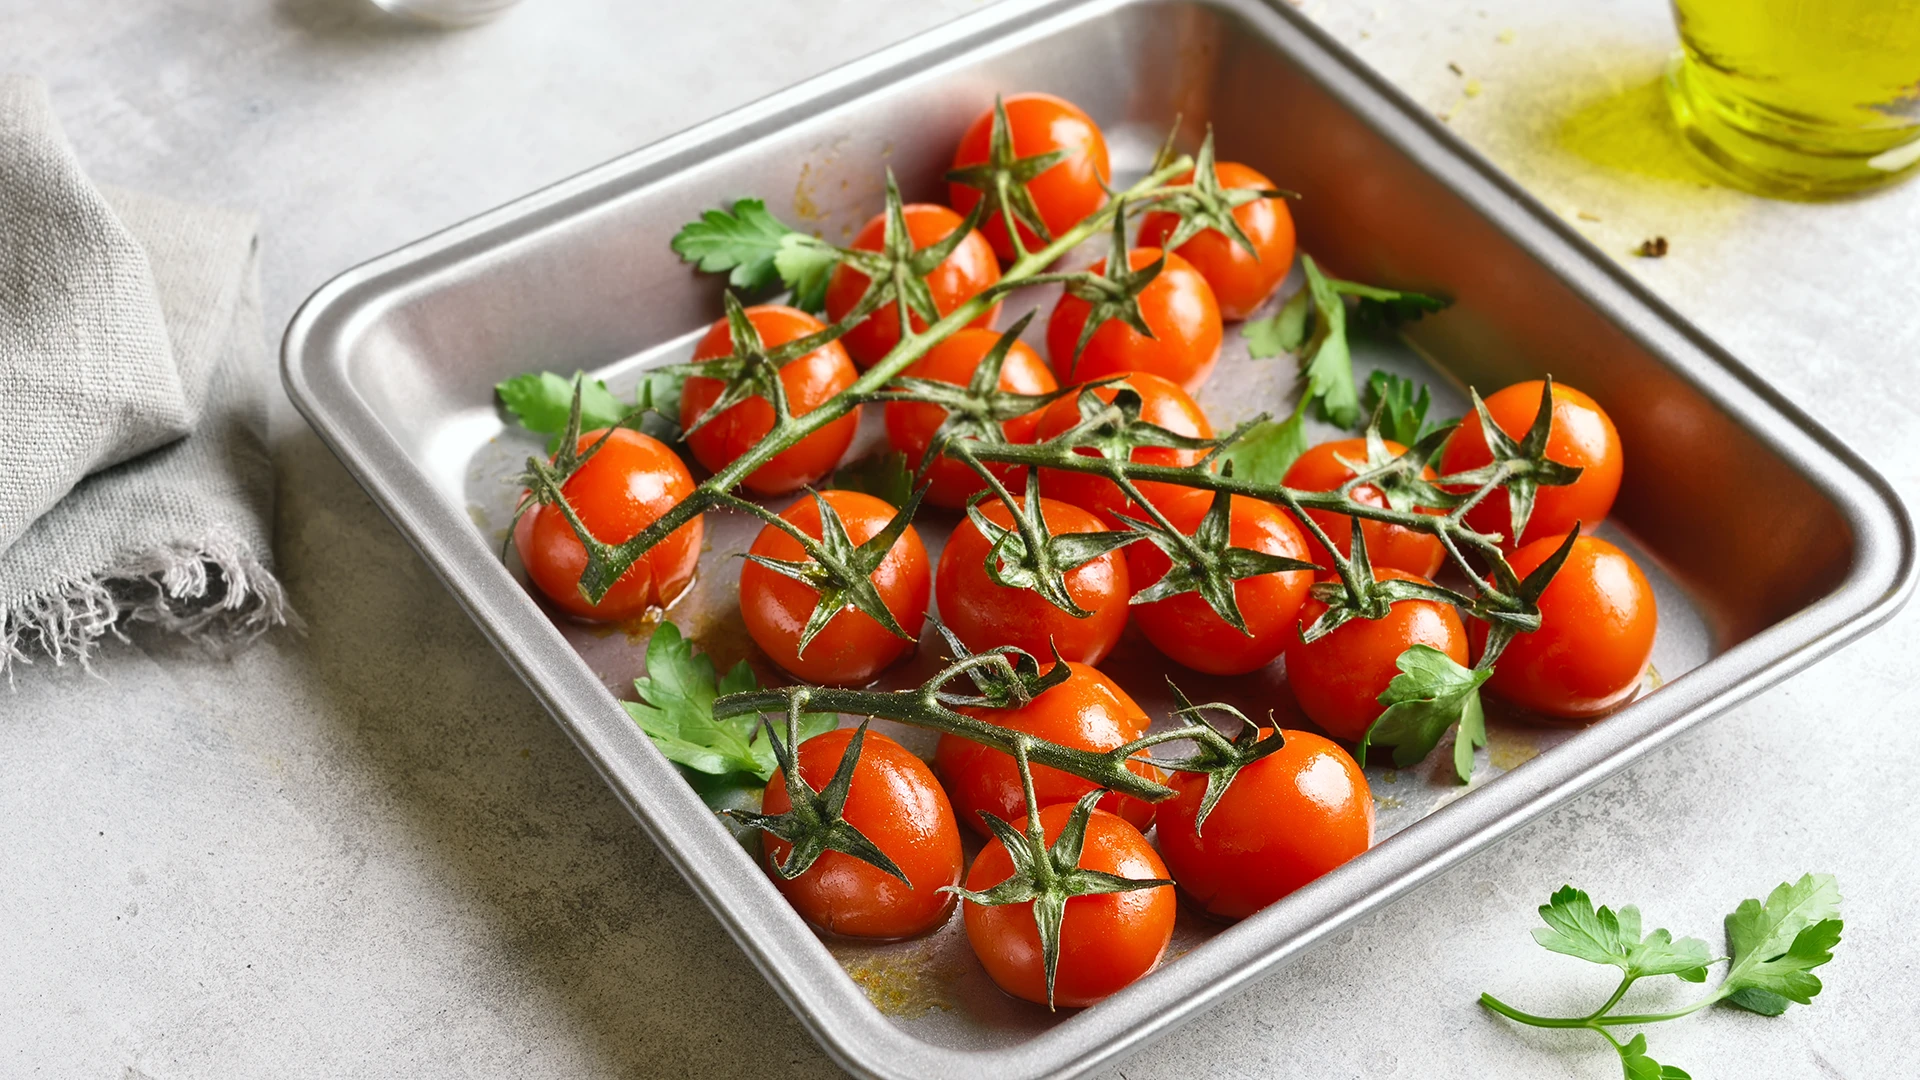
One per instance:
(794, 961)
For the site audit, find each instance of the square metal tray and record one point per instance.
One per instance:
(1791, 547)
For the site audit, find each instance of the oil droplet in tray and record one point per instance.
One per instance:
(1509, 748)
(905, 982)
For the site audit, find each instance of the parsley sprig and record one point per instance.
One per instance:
(675, 709)
(756, 249)
(1774, 948)
(1313, 323)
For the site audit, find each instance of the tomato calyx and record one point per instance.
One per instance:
(1205, 562)
(1519, 465)
(1205, 203)
(1357, 593)
(1519, 614)
(1216, 755)
(897, 273)
(1029, 555)
(837, 569)
(1002, 181)
(977, 410)
(1401, 478)
(1114, 292)
(1006, 677)
(1048, 875)
(814, 825)
(1112, 430)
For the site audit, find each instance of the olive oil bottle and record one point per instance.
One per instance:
(1801, 98)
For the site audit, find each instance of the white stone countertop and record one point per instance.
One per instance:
(367, 852)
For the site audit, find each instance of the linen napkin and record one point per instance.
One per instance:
(134, 480)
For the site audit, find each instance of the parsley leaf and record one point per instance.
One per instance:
(542, 401)
(1402, 405)
(1264, 453)
(884, 475)
(1388, 309)
(1639, 1066)
(1777, 945)
(676, 711)
(1329, 360)
(1314, 322)
(1284, 333)
(1430, 695)
(1575, 928)
(756, 249)
(806, 265)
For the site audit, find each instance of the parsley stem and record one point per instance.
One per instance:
(1620, 992)
(1530, 1019)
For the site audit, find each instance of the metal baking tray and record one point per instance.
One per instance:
(1770, 543)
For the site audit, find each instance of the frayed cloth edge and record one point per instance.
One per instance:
(215, 593)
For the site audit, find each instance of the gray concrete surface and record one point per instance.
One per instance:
(367, 853)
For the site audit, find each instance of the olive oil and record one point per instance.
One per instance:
(1803, 98)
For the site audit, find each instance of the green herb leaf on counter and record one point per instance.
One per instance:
(885, 475)
(1430, 695)
(676, 711)
(758, 250)
(1575, 928)
(1402, 405)
(1775, 946)
(542, 401)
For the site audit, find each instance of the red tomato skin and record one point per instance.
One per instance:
(809, 381)
(911, 424)
(1597, 623)
(1189, 632)
(1178, 307)
(962, 276)
(1088, 711)
(629, 484)
(895, 801)
(1106, 941)
(1241, 280)
(1582, 435)
(1161, 403)
(1064, 194)
(854, 647)
(1285, 820)
(985, 615)
(1338, 678)
(1321, 469)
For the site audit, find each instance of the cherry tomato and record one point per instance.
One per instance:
(986, 615)
(809, 381)
(1106, 941)
(853, 647)
(911, 424)
(622, 489)
(1582, 435)
(1241, 281)
(1161, 403)
(1324, 468)
(1337, 678)
(895, 802)
(1088, 711)
(962, 276)
(1178, 307)
(1597, 621)
(1187, 629)
(1064, 194)
(1285, 820)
